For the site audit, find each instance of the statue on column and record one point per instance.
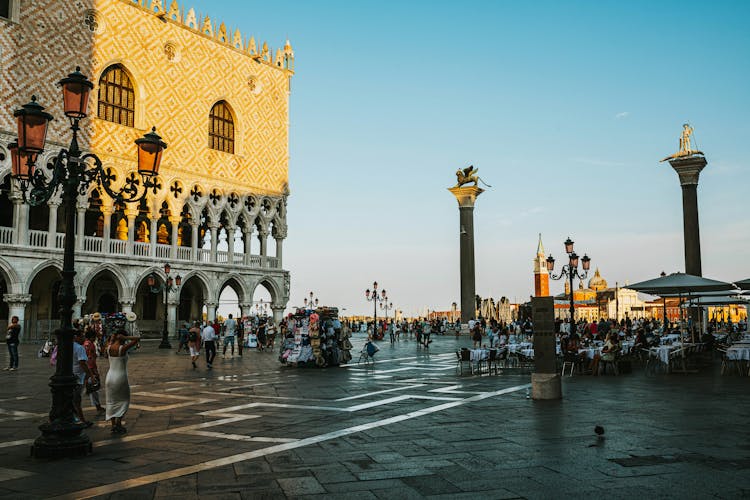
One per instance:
(685, 146)
(468, 175)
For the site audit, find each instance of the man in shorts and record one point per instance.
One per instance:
(230, 327)
(194, 343)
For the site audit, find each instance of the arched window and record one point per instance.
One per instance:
(221, 128)
(116, 96)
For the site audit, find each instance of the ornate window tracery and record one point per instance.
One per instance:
(116, 96)
(221, 128)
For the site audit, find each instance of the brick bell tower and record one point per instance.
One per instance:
(541, 276)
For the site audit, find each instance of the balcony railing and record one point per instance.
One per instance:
(118, 247)
(6, 235)
(38, 238)
(141, 249)
(184, 253)
(94, 244)
(204, 255)
(163, 251)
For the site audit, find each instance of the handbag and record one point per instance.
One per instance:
(93, 385)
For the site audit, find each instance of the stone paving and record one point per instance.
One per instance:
(408, 427)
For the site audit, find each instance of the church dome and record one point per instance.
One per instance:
(597, 282)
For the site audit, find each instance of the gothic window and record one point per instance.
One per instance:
(221, 128)
(116, 96)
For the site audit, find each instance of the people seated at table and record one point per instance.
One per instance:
(609, 351)
(640, 340)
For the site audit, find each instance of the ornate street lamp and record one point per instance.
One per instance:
(167, 287)
(375, 298)
(73, 172)
(312, 303)
(570, 270)
(386, 306)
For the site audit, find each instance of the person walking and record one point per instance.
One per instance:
(82, 373)
(209, 341)
(93, 389)
(230, 327)
(194, 343)
(117, 384)
(183, 336)
(12, 339)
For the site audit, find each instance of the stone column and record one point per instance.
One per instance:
(194, 239)
(154, 229)
(21, 222)
(248, 244)
(688, 169)
(107, 228)
(245, 309)
(211, 311)
(52, 229)
(80, 226)
(467, 197)
(278, 313)
(172, 303)
(230, 244)
(214, 237)
(77, 307)
(131, 216)
(17, 303)
(545, 381)
(126, 305)
(280, 235)
(175, 223)
(263, 238)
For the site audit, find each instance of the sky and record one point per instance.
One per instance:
(565, 108)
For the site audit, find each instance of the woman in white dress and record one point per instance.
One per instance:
(117, 386)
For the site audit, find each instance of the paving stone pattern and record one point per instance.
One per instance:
(407, 427)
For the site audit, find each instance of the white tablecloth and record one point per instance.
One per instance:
(662, 352)
(478, 354)
(739, 353)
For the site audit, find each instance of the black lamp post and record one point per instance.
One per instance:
(570, 270)
(167, 287)
(73, 172)
(312, 303)
(375, 298)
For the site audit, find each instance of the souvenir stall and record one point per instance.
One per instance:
(315, 338)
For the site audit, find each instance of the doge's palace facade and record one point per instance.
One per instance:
(220, 101)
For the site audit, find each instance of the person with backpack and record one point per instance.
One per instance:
(194, 343)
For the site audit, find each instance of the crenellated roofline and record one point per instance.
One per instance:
(283, 60)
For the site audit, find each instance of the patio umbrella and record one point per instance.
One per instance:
(680, 283)
(744, 284)
(718, 300)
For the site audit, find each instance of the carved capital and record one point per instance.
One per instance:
(17, 299)
(466, 196)
(688, 169)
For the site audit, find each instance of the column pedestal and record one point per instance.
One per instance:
(467, 197)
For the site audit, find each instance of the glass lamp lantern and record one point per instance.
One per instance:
(150, 149)
(76, 88)
(568, 245)
(32, 123)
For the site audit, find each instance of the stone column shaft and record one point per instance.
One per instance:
(466, 197)
(214, 242)
(194, 240)
(52, 229)
(688, 169)
(80, 227)
(154, 229)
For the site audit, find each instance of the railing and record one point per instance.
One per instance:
(239, 258)
(222, 257)
(92, 244)
(141, 249)
(163, 251)
(255, 261)
(184, 253)
(272, 262)
(6, 235)
(60, 240)
(119, 247)
(38, 238)
(204, 255)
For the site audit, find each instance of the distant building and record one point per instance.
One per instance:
(541, 275)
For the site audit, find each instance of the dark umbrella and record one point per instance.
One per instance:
(680, 284)
(744, 284)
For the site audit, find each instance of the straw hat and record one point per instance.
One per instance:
(131, 316)
(96, 316)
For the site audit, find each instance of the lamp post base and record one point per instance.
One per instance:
(61, 440)
(165, 342)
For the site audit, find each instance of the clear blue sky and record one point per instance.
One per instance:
(565, 107)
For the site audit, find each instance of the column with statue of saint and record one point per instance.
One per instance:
(467, 197)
